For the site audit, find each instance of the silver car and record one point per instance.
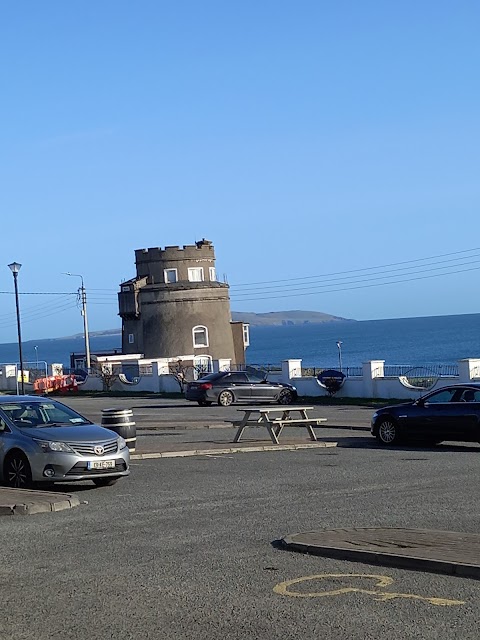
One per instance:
(42, 440)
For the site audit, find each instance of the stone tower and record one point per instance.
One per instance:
(176, 308)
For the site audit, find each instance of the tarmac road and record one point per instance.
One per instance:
(183, 549)
(153, 412)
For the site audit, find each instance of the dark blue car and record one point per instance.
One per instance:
(451, 413)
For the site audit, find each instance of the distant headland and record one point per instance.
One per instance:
(284, 318)
(270, 319)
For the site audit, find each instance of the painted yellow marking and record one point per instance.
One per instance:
(283, 588)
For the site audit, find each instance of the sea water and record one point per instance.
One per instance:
(412, 341)
(405, 341)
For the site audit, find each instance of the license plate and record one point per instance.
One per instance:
(101, 464)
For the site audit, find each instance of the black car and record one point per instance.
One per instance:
(449, 413)
(226, 387)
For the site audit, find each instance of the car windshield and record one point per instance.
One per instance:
(257, 377)
(253, 376)
(41, 414)
(211, 377)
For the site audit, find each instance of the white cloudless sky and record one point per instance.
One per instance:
(303, 138)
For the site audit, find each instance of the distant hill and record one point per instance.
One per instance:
(94, 334)
(282, 318)
(270, 319)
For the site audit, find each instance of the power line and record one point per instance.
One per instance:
(41, 293)
(28, 310)
(34, 311)
(347, 288)
(289, 284)
(364, 277)
(351, 280)
(43, 314)
(339, 273)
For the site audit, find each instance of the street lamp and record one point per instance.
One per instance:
(339, 345)
(36, 355)
(84, 314)
(15, 268)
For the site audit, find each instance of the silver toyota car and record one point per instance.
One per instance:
(42, 440)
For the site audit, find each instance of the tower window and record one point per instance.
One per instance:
(213, 273)
(195, 274)
(131, 338)
(170, 275)
(246, 335)
(200, 336)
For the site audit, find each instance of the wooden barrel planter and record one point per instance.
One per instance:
(121, 422)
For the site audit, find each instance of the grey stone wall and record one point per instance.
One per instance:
(168, 312)
(151, 263)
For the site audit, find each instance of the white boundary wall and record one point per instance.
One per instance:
(371, 384)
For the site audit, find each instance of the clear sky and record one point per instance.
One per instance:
(303, 138)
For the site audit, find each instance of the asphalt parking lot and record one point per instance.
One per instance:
(152, 412)
(183, 547)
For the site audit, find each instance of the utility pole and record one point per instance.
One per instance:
(85, 325)
(83, 298)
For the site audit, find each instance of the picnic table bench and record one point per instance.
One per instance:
(265, 416)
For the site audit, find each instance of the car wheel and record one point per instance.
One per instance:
(204, 403)
(285, 397)
(17, 472)
(225, 398)
(105, 482)
(388, 432)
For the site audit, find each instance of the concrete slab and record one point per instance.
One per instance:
(222, 450)
(28, 501)
(420, 549)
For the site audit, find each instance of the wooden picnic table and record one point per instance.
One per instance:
(270, 418)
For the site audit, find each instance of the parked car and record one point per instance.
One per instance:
(226, 387)
(450, 413)
(42, 440)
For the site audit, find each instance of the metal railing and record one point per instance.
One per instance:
(32, 371)
(269, 367)
(433, 370)
(350, 372)
(392, 371)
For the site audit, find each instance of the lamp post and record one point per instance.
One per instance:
(36, 355)
(339, 345)
(83, 295)
(15, 268)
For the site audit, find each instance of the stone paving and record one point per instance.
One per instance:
(182, 449)
(27, 502)
(440, 551)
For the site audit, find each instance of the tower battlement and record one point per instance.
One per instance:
(201, 249)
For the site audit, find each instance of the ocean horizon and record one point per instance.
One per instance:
(405, 341)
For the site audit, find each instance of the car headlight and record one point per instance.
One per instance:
(47, 446)
(375, 416)
(121, 442)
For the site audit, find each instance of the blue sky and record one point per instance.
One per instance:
(303, 138)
